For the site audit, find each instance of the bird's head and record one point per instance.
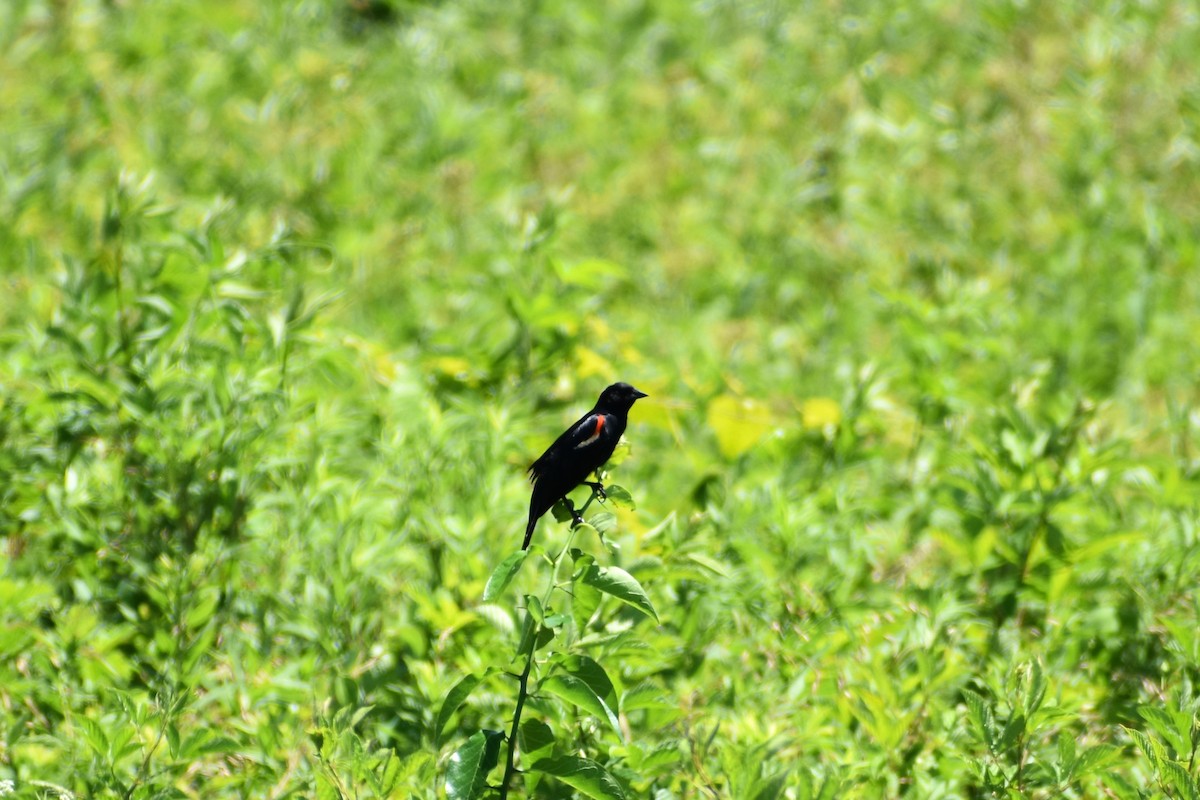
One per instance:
(619, 397)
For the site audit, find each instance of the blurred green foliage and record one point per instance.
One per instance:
(294, 291)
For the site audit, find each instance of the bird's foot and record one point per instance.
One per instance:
(598, 488)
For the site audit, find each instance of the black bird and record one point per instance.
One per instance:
(579, 452)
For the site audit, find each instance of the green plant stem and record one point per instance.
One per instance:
(523, 678)
(522, 693)
(582, 509)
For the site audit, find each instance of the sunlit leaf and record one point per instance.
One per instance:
(466, 774)
(1096, 758)
(582, 774)
(1181, 779)
(739, 423)
(619, 496)
(1035, 689)
(621, 585)
(1149, 747)
(589, 273)
(578, 692)
(454, 698)
(503, 575)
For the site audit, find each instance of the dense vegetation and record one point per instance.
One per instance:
(295, 291)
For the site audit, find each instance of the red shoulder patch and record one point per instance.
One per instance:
(600, 420)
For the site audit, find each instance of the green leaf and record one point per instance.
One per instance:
(205, 605)
(1036, 690)
(1066, 753)
(503, 575)
(491, 751)
(560, 512)
(534, 635)
(220, 745)
(545, 637)
(583, 774)
(123, 744)
(621, 585)
(1095, 758)
(770, 788)
(584, 530)
(589, 274)
(604, 522)
(206, 741)
(466, 775)
(157, 303)
(239, 291)
(710, 564)
(1164, 724)
(585, 599)
(93, 734)
(1056, 541)
(590, 672)
(534, 607)
(1120, 787)
(1104, 544)
(663, 759)
(578, 692)
(1183, 782)
(1013, 731)
(529, 631)
(153, 334)
(981, 718)
(536, 738)
(619, 496)
(1151, 748)
(455, 698)
(831, 786)
(645, 696)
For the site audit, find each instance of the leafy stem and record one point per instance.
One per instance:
(532, 643)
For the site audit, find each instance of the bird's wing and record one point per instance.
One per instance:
(582, 434)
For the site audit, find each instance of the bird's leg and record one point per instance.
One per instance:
(598, 488)
(576, 517)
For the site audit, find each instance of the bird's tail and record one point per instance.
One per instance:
(529, 531)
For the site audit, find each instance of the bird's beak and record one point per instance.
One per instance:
(639, 395)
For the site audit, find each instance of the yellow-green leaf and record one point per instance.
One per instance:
(739, 423)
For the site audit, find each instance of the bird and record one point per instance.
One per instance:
(578, 452)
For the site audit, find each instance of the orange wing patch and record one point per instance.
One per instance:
(600, 420)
